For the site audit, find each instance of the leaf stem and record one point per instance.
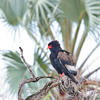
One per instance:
(77, 30)
(89, 56)
(89, 74)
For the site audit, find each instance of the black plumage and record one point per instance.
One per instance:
(61, 59)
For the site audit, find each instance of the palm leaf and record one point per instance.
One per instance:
(13, 10)
(93, 10)
(40, 9)
(42, 60)
(40, 12)
(72, 9)
(15, 70)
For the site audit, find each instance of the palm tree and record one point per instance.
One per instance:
(42, 17)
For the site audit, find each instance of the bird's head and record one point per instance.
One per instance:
(54, 46)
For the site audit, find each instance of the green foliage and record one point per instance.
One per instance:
(13, 10)
(43, 13)
(93, 11)
(42, 60)
(40, 11)
(15, 70)
(41, 8)
(72, 9)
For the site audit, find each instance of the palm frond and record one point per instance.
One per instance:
(77, 30)
(42, 60)
(13, 10)
(42, 8)
(15, 70)
(72, 9)
(93, 10)
(41, 11)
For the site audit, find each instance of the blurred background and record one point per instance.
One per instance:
(32, 24)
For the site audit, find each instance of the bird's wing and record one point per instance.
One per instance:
(60, 67)
(66, 71)
(65, 58)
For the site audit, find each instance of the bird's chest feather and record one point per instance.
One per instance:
(54, 60)
(55, 63)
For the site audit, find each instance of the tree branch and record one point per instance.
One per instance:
(25, 63)
(33, 79)
(43, 92)
(92, 82)
(65, 84)
(21, 85)
(28, 81)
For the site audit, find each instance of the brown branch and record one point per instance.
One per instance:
(91, 82)
(28, 81)
(21, 85)
(64, 83)
(47, 87)
(43, 92)
(33, 79)
(25, 63)
(89, 74)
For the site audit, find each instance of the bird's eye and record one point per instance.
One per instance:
(50, 46)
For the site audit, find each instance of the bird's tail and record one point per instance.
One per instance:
(71, 76)
(73, 72)
(68, 73)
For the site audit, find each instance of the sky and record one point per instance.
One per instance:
(8, 42)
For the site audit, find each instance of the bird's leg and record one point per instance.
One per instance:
(61, 75)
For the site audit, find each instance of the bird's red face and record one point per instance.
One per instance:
(49, 46)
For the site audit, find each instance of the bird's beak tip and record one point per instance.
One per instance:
(50, 46)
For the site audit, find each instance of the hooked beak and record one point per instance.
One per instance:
(50, 46)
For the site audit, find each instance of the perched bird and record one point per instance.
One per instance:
(62, 60)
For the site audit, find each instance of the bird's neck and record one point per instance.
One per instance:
(55, 51)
